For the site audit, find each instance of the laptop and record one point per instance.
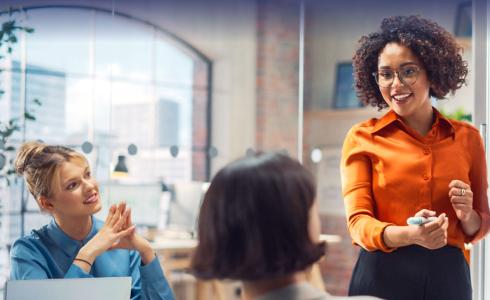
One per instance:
(103, 288)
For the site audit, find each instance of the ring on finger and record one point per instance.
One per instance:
(463, 192)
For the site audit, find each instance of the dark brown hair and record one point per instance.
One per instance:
(253, 222)
(433, 45)
(39, 164)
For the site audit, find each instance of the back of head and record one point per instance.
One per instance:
(39, 164)
(253, 222)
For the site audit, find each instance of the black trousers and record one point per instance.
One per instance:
(412, 272)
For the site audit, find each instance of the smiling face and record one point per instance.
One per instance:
(76, 195)
(410, 101)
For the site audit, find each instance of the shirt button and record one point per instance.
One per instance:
(426, 151)
(425, 177)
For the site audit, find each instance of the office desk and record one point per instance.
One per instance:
(175, 254)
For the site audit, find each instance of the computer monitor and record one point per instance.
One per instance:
(114, 288)
(185, 205)
(142, 198)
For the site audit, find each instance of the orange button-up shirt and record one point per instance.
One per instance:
(390, 172)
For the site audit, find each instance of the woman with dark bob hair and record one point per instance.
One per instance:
(259, 224)
(414, 182)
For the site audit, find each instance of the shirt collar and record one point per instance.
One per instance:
(442, 120)
(391, 117)
(66, 243)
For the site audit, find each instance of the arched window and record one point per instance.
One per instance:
(111, 80)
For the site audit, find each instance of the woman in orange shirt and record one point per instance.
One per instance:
(412, 162)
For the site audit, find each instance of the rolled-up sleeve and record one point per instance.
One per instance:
(356, 175)
(479, 186)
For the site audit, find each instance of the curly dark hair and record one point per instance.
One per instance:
(432, 44)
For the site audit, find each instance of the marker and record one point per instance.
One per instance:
(420, 220)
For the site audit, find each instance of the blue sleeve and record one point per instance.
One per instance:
(76, 272)
(29, 262)
(148, 283)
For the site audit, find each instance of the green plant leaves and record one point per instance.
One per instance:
(8, 37)
(460, 114)
(29, 116)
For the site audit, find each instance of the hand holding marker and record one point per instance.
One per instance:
(420, 220)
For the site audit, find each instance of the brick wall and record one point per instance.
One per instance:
(341, 257)
(277, 74)
(277, 102)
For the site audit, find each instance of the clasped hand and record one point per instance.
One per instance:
(431, 235)
(117, 232)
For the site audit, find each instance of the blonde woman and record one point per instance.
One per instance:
(75, 244)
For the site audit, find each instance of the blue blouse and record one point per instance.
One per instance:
(48, 253)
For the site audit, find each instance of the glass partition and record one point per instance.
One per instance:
(158, 96)
(115, 82)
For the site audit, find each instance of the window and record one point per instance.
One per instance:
(463, 26)
(345, 95)
(111, 80)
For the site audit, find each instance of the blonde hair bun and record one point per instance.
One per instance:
(26, 151)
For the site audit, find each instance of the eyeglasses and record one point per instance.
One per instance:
(407, 75)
